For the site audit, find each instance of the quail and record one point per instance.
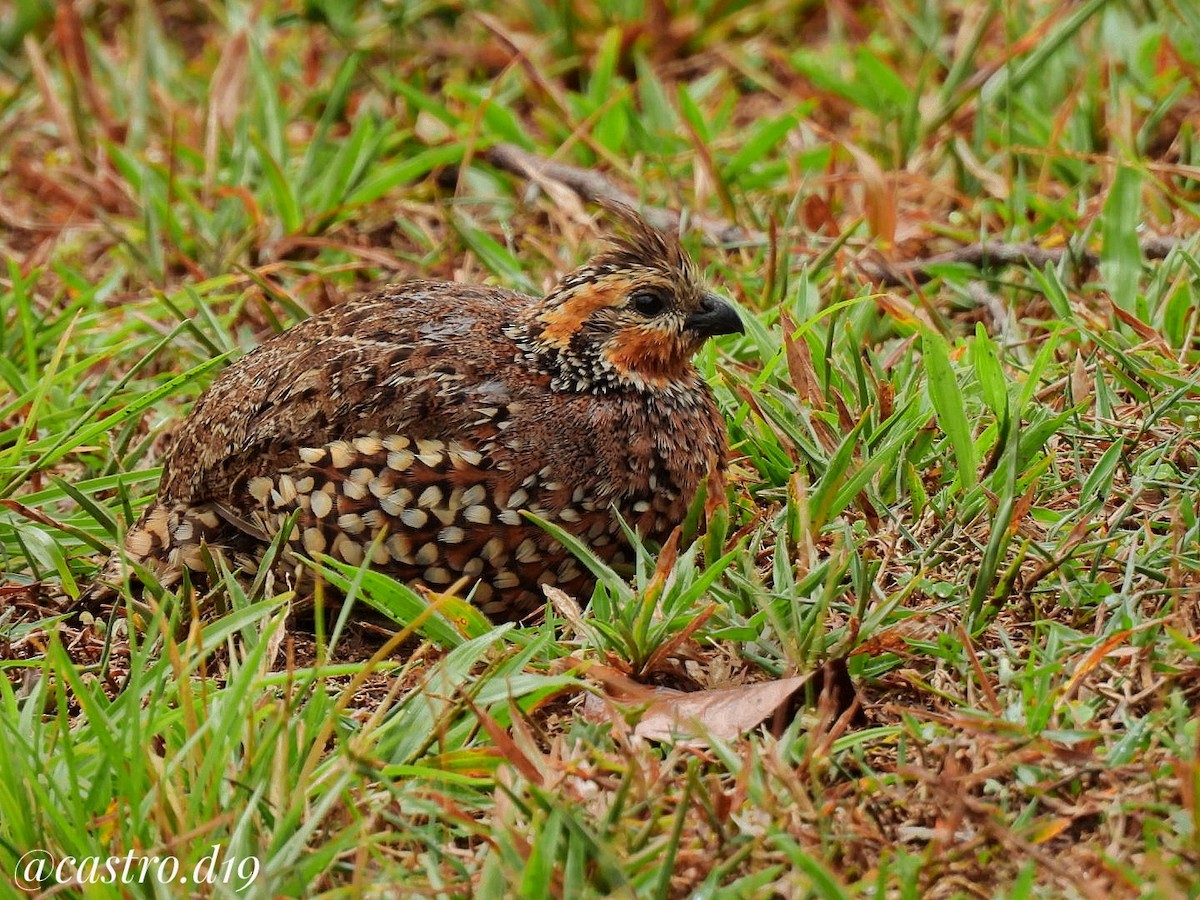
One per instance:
(411, 428)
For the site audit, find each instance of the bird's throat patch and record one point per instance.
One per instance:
(651, 355)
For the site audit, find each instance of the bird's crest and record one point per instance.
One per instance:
(638, 244)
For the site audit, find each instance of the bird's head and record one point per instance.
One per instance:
(630, 319)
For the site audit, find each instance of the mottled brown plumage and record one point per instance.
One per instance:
(435, 413)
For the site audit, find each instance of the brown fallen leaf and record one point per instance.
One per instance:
(689, 719)
(879, 195)
(724, 713)
(1144, 331)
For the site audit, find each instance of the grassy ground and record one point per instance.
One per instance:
(974, 489)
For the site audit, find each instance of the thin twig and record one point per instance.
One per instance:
(592, 185)
(995, 254)
(596, 187)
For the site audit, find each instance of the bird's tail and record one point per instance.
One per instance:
(164, 541)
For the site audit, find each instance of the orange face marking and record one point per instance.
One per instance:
(565, 320)
(649, 353)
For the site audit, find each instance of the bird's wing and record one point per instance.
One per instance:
(390, 362)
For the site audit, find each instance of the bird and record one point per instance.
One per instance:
(414, 428)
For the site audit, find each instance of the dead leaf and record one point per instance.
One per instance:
(566, 606)
(994, 183)
(921, 627)
(669, 647)
(1093, 659)
(226, 90)
(723, 713)
(879, 201)
(1143, 330)
(69, 33)
(507, 746)
(616, 682)
(225, 102)
(818, 216)
(899, 308)
(800, 364)
(1021, 509)
(1082, 384)
(714, 497)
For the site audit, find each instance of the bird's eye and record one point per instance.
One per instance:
(648, 303)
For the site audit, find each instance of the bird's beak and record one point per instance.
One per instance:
(716, 315)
